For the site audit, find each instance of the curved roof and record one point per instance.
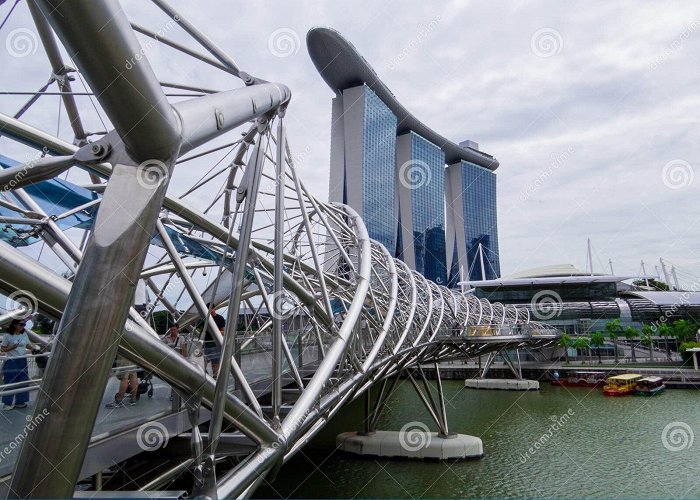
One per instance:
(342, 67)
(550, 271)
(678, 299)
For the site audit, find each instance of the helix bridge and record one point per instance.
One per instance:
(194, 194)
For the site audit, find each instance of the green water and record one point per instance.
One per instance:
(609, 447)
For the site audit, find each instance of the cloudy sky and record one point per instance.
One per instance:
(591, 108)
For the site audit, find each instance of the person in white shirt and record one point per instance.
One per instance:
(16, 345)
(175, 340)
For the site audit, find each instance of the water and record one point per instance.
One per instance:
(608, 447)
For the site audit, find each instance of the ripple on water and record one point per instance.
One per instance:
(608, 447)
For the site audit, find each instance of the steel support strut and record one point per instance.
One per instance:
(278, 295)
(239, 269)
(104, 285)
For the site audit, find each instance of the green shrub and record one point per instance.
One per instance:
(685, 355)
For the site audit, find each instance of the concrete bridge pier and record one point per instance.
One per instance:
(517, 384)
(415, 440)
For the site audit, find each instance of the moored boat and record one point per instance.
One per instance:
(621, 385)
(648, 386)
(581, 379)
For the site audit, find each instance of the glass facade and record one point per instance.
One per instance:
(569, 292)
(480, 220)
(428, 209)
(378, 160)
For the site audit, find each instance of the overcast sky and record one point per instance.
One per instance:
(591, 108)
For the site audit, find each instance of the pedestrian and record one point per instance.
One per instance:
(212, 350)
(15, 344)
(127, 381)
(175, 340)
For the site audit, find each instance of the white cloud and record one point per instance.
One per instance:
(621, 92)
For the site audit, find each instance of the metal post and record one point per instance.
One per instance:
(48, 40)
(239, 269)
(425, 402)
(441, 395)
(97, 481)
(277, 296)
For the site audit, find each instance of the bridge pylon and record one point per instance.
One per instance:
(415, 439)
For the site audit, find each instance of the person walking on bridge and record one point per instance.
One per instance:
(175, 340)
(15, 345)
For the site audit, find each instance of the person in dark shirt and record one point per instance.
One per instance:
(212, 351)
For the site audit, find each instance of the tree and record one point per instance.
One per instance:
(582, 343)
(598, 341)
(613, 329)
(653, 283)
(631, 333)
(647, 340)
(665, 331)
(565, 342)
(161, 320)
(684, 330)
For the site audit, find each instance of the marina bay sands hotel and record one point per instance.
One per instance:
(428, 200)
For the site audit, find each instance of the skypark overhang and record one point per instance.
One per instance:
(342, 67)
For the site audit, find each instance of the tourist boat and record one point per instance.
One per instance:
(621, 385)
(581, 379)
(648, 386)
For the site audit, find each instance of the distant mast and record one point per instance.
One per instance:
(590, 257)
(667, 278)
(644, 274)
(481, 260)
(675, 277)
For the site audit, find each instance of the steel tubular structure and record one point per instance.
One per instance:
(317, 312)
